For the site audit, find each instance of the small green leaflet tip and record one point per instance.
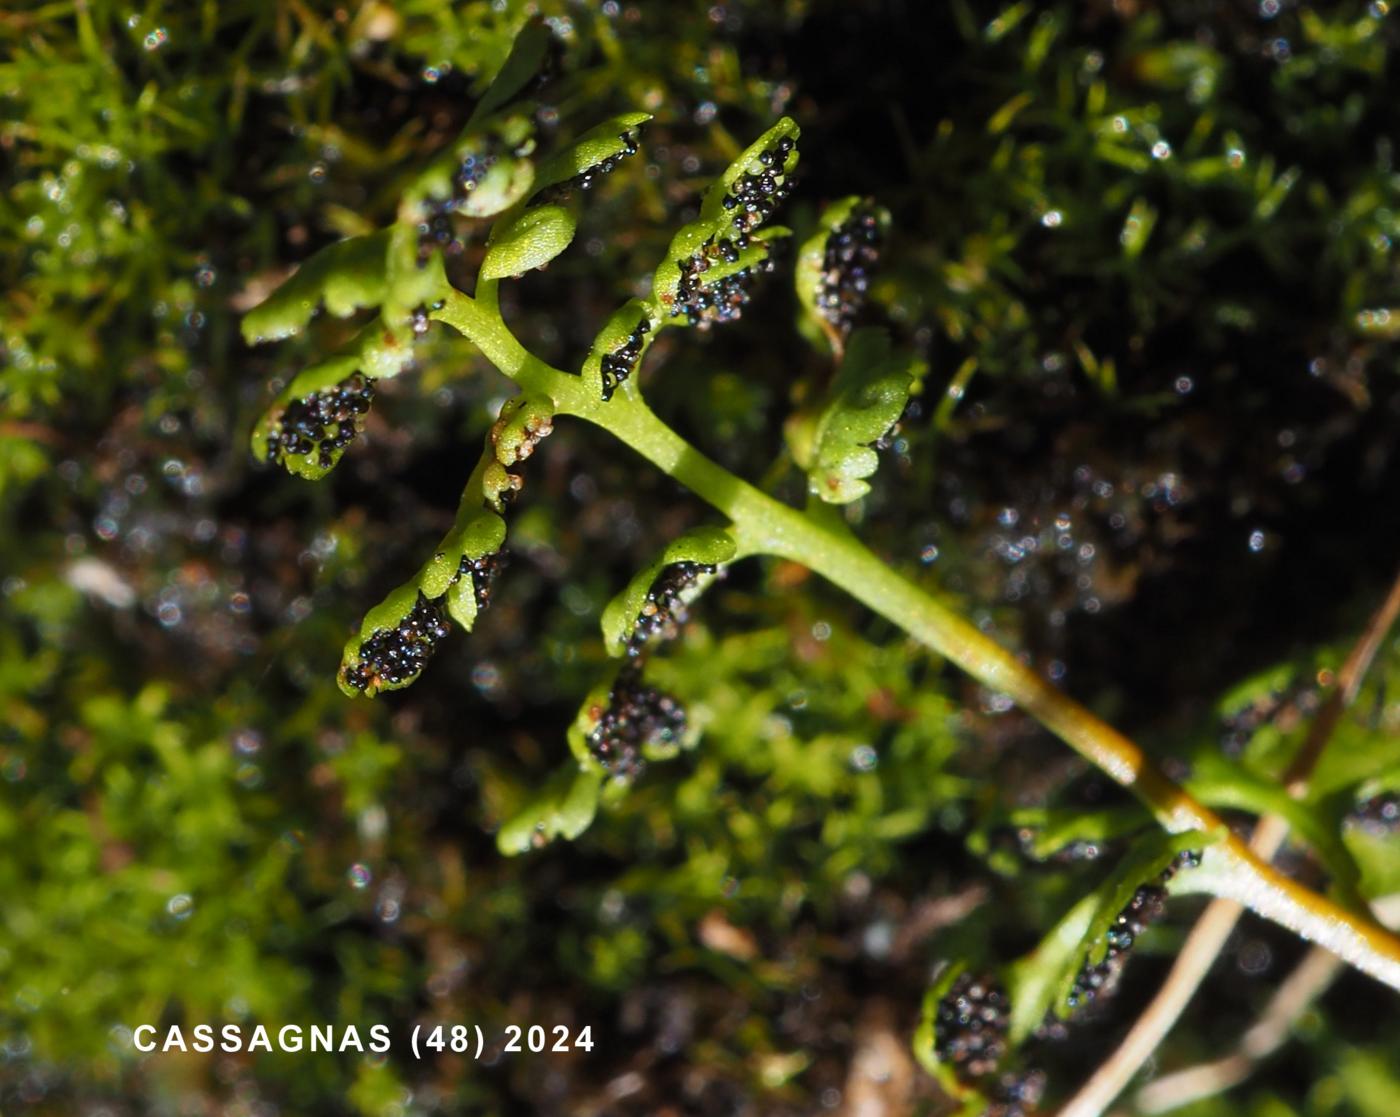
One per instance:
(346, 276)
(597, 151)
(563, 808)
(868, 396)
(530, 240)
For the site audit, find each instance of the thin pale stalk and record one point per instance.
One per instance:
(1309, 979)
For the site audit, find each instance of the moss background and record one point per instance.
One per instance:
(1153, 243)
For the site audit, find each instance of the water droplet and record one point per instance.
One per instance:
(373, 823)
(359, 876)
(1377, 320)
(864, 758)
(486, 677)
(247, 742)
(1051, 219)
(181, 905)
(878, 939)
(993, 703)
(1161, 150)
(1256, 541)
(156, 39)
(1184, 385)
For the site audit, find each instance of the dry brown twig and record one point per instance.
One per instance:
(1308, 981)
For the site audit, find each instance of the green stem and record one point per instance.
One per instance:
(767, 526)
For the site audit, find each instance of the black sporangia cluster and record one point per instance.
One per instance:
(435, 230)
(420, 318)
(1379, 815)
(631, 141)
(723, 300)
(754, 197)
(483, 573)
(1147, 905)
(852, 251)
(665, 609)
(398, 655)
(970, 1026)
(637, 715)
(470, 172)
(618, 365)
(325, 421)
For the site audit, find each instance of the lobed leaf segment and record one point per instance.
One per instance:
(833, 441)
(623, 722)
(399, 636)
(705, 275)
(648, 606)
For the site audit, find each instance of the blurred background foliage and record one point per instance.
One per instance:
(1147, 249)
